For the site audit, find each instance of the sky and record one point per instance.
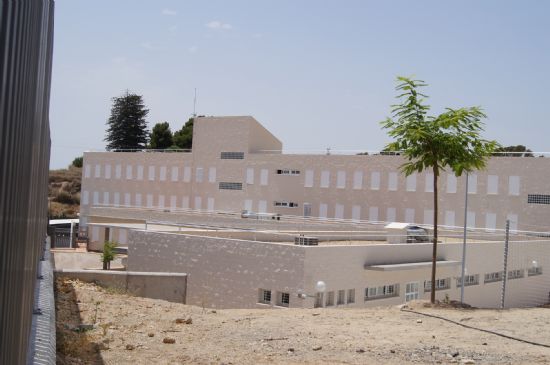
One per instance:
(317, 74)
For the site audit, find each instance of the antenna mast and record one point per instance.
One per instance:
(195, 104)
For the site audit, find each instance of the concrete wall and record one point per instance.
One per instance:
(80, 260)
(166, 285)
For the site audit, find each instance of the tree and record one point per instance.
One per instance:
(161, 136)
(517, 151)
(184, 137)
(77, 162)
(127, 128)
(108, 254)
(449, 140)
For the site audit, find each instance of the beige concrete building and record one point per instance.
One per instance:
(236, 165)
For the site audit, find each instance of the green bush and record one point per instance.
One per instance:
(108, 254)
(77, 162)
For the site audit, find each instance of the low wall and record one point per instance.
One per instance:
(70, 259)
(167, 286)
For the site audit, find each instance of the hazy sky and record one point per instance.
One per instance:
(317, 74)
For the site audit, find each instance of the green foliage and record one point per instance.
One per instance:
(127, 128)
(184, 137)
(161, 136)
(77, 162)
(518, 151)
(108, 254)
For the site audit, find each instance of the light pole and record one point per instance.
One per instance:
(464, 242)
(320, 288)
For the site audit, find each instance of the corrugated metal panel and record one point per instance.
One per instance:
(26, 40)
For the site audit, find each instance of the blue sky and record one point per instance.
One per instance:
(317, 74)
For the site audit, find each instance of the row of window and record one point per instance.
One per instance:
(282, 299)
(148, 201)
(137, 172)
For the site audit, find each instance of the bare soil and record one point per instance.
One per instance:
(102, 326)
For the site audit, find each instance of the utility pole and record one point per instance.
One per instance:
(464, 242)
(505, 274)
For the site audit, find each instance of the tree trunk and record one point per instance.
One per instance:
(104, 265)
(434, 254)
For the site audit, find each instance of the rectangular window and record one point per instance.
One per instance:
(283, 299)
(116, 198)
(493, 276)
(199, 174)
(513, 185)
(308, 182)
(513, 218)
(151, 173)
(97, 172)
(339, 211)
(262, 206)
(162, 173)
(411, 182)
(375, 180)
(472, 184)
(106, 198)
(264, 296)
(248, 205)
(95, 198)
(386, 291)
(490, 221)
(174, 173)
(210, 204)
(451, 183)
(198, 202)
(492, 184)
(212, 175)
(127, 199)
(450, 218)
(95, 234)
(428, 216)
(534, 270)
(373, 214)
(140, 172)
(538, 199)
(230, 186)
(128, 172)
(409, 215)
(341, 180)
(341, 297)
(118, 171)
(250, 175)
(173, 201)
(285, 204)
(325, 179)
(122, 236)
(87, 171)
(187, 174)
(288, 172)
(468, 280)
(358, 180)
(440, 284)
(232, 155)
(318, 300)
(429, 182)
(138, 200)
(351, 296)
(330, 299)
(471, 219)
(161, 202)
(323, 209)
(356, 212)
(392, 181)
(390, 215)
(149, 200)
(515, 274)
(185, 202)
(85, 197)
(107, 171)
(263, 176)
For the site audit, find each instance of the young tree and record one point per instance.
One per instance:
(184, 137)
(161, 136)
(450, 140)
(127, 128)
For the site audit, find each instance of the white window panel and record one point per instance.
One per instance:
(492, 184)
(151, 173)
(138, 200)
(174, 173)
(185, 202)
(85, 197)
(198, 202)
(95, 234)
(341, 180)
(325, 179)
(210, 204)
(472, 184)
(187, 174)
(409, 215)
(129, 172)
(451, 183)
(358, 180)
(392, 181)
(116, 199)
(87, 171)
(212, 175)
(262, 206)
(140, 172)
(118, 171)
(173, 201)
(513, 185)
(449, 217)
(323, 210)
(95, 198)
(199, 174)
(490, 221)
(162, 173)
(122, 236)
(106, 197)
(428, 216)
(471, 219)
(513, 218)
(127, 199)
(390, 215)
(429, 184)
(107, 171)
(161, 201)
(248, 205)
(250, 176)
(263, 176)
(356, 212)
(375, 180)
(373, 214)
(339, 211)
(411, 182)
(149, 200)
(97, 172)
(308, 182)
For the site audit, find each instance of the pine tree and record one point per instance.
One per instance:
(127, 128)
(184, 137)
(161, 136)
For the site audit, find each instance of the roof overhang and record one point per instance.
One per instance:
(411, 265)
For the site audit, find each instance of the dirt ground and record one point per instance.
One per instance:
(101, 326)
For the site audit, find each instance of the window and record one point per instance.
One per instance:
(187, 174)
(375, 180)
(250, 176)
(451, 183)
(87, 171)
(515, 274)
(264, 296)
(492, 184)
(356, 212)
(199, 174)
(118, 171)
(185, 202)
(248, 204)
(330, 299)
(535, 270)
(325, 179)
(151, 173)
(490, 221)
(210, 204)
(379, 292)
(358, 180)
(513, 218)
(341, 180)
(198, 202)
(174, 173)
(161, 201)
(106, 197)
(97, 171)
(351, 296)
(127, 199)
(339, 211)
(149, 200)
(409, 215)
(538, 199)
(468, 280)
(263, 177)
(140, 172)
(341, 297)
(471, 219)
(472, 184)
(392, 181)
(373, 214)
(390, 215)
(411, 182)
(323, 208)
(288, 172)
(411, 291)
(308, 182)
(230, 186)
(318, 300)
(129, 172)
(85, 197)
(440, 284)
(95, 198)
(429, 182)
(449, 217)
(232, 155)
(212, 175)
(173, 201)
(283, 299)
(513, 185)
(286, 204)
(138, 200)
(163, 173)
(116, 201)
(262, 206)
(493, 276)
(107, 171)
(428, 216)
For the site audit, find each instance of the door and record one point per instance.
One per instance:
(411, 291)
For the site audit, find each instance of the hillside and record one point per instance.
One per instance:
(64, 192)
